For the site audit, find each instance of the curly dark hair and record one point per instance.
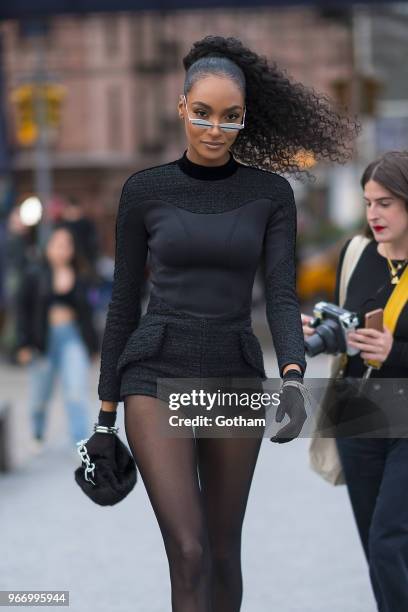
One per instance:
(284, 119)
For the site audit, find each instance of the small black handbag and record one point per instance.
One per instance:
(108, 471)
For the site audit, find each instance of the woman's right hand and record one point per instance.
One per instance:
(307, 330)
(24, 355)
(101, 444)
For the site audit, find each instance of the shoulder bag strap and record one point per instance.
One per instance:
(351, 256)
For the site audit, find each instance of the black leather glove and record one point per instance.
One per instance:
(292, 403)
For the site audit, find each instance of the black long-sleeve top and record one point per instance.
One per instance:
(369, 288)
(206, 229)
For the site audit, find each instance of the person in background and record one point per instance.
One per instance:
(83, 229)
(376, 469)
(16, 248)
(56, 333)
(2, 276)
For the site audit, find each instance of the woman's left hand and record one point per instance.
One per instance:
(292, 403)
(372, 343)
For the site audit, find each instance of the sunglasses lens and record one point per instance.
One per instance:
(201, 123)
(229, 128)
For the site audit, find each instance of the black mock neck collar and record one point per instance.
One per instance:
(210, 173)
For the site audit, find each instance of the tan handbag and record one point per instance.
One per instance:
(323, 455)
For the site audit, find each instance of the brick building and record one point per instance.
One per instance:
(123, 73)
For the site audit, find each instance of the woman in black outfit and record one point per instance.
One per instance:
(207, 218)
(376, 469)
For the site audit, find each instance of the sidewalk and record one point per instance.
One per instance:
(300, 547)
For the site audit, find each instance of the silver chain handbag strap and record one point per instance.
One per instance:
(83, 451)
(85, 458)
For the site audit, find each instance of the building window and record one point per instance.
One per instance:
(112, 35)
(114, 117)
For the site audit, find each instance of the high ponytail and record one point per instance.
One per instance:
(284, 120)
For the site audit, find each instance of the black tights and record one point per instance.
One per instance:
(200, 513)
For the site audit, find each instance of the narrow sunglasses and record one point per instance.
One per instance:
(227, 127)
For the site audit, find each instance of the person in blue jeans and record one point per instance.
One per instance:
(56, 336)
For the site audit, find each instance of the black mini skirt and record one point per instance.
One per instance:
(173, 344)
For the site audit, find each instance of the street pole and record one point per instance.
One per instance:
(363, 67)
(346, 197)
(5, 163)
(42, 163)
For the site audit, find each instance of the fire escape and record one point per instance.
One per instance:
(157, 53)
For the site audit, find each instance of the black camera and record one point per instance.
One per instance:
(331, 324)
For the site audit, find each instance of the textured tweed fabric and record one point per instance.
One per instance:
(206, 230)
(168, 343)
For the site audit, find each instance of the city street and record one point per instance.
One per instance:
(227, 158)
(300, 548)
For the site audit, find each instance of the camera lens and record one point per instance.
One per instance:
(314, 345)
(325, 339)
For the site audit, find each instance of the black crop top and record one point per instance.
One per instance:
(369, 288)
(206, 229)
(66, 299)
